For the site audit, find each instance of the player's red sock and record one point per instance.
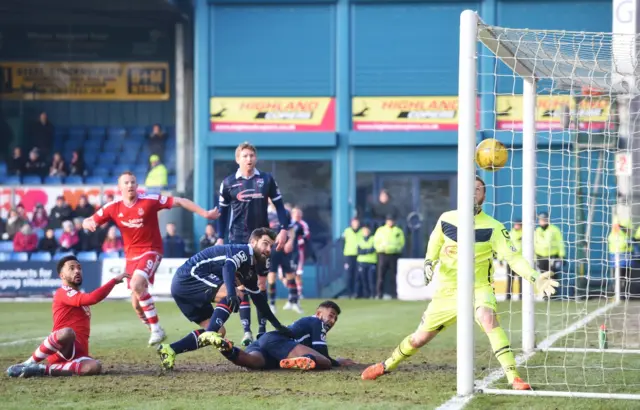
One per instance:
(143, 317)
(49, 346)
(63, 369)
(149, 308)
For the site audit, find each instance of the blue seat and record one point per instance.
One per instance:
(140, 177)
(92, 146)
(77, 133)
(59, 255)
(113, 146)
(19, 257)
(39, 232)
(12, 180)
(53, 180)
(170, 130)
(109, 255)
(143, 158)
(138, 131)
(41, 257)
(119, 169)
(171, 180)
(94, 180)
(87, 256)
(116, 132)
(107, 159)
(57, 233)
(31, 180)
(141, 169)
(6, 246)
(73, 180)
(91, 157)
(101, 172)
(60, 132)
(127, 157)
(96, 133)
(72, 145)
(3, 168)
(5, 256)
(111, 180)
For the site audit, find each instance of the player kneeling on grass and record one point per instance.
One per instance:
(66, 349)
(212, 275)
(306, 350)
(490, 237)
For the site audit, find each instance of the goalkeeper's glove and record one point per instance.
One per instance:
(545, 285)
(428, 272)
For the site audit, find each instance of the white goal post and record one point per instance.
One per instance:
(555, 341)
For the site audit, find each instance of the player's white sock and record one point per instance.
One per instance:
(149, 308)
(49, 346)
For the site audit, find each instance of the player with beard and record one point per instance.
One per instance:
(66, 349)
(213, 275)
(136, 215)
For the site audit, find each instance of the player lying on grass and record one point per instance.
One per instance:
(66, 349)
(307, 349)
(212, 276)
(490, 236)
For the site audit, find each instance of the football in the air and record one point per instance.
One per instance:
(491, 155)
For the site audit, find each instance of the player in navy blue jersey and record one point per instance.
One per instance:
(302, 238)
(213, 275)
(244, 199)
(305, 350)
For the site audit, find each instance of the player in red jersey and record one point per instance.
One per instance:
(137, 217)
(66, 349)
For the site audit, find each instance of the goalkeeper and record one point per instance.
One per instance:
(491, 236)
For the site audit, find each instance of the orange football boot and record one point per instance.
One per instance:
(519, 384)
(301, 363)
(373, 372)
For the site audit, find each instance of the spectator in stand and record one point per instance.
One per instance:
(48, 243)
(69, 238)
(58, 167)
(35, 165)
(384, 208)
(209, 238)
(14, 224)
(22, 213)
(157, 141)
(173, 244)
(60, 213)
(158, 175)
(108, 198)
(3, 228)
(25, 240)
(84, 209)
(112, 243)
(76, 166)
(42, 134)
(87, 241)
(16, 163)
(40, 219)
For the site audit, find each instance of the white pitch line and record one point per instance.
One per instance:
(21, 341)
(458, 402)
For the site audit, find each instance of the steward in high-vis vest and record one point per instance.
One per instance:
(367, 261)
(389, 243)
(351, 237)
(548, 245)
(621, 254)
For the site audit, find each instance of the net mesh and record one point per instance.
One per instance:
(584, 121)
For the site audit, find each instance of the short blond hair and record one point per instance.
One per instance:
(126, 173)
(246, 145)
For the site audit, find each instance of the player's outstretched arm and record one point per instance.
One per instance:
(262, 305)
(502, 245)
(191, 206)
(78, 299)
(436, 240)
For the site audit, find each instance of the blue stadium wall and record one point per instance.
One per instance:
(143, 41)
(347, 48)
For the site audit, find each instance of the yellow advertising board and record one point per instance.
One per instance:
(86, 81)
(593, 112)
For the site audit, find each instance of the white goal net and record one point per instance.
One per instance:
(565, 104)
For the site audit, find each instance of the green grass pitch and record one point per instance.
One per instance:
(367, 331)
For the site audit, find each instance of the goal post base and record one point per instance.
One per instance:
(551, 393)
(589, 350)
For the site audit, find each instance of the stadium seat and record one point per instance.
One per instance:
(31, 180)
(94, 180)
(116, 133)
(73, 180)
(57, 234)
(138, 132)
(109, 255)
(12, 180)
(113, 145)
(6, 246)
(107, 159)
(171, 131)
(87, 256)
(91, 157)
(53, 181)
(39, 232)
(141, 169)
(171, 180)
(19, 256)
(3, 168)
(59, 255)
(41, 257)
(60, 132)
(119, 169)
(77, 133)
(128, 157)
(96, 133)
(101, 172)
(92, 146)
(72, 145)
(140, 177)
(5, 257)
(112, 180)
(143, 157)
